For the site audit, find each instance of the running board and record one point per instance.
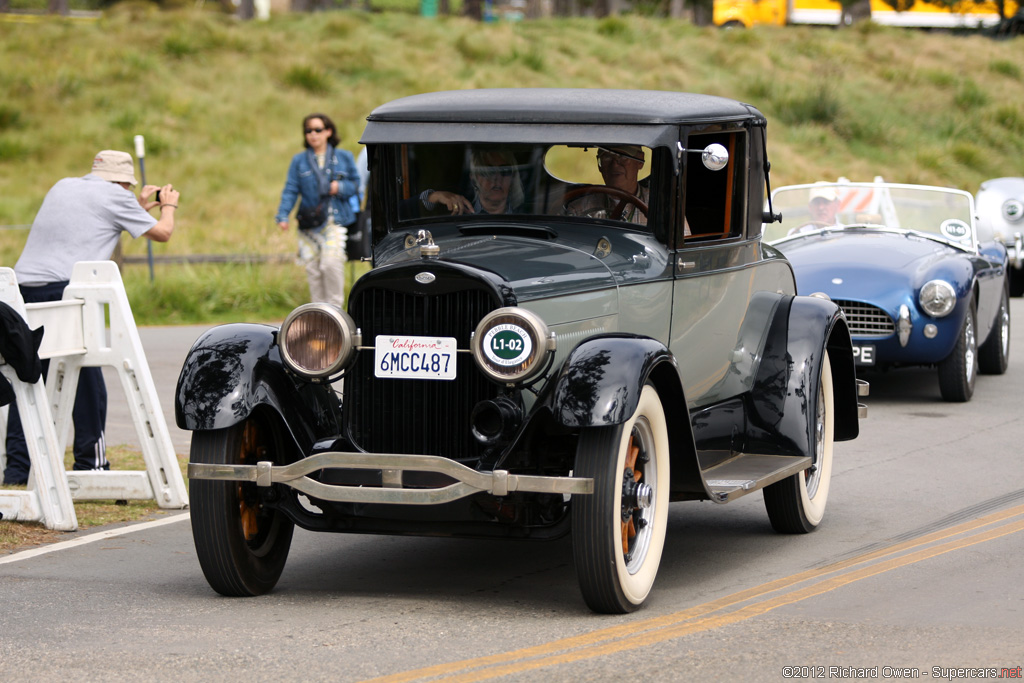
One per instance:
(747, 473)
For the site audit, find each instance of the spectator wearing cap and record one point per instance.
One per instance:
(81, 219)
(823, 206)
(620, 167)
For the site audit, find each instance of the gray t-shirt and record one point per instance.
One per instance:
(80, 220)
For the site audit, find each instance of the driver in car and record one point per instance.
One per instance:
(823, 205)
(620, 167)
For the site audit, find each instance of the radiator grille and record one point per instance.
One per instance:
(422, 417)
(865, 320)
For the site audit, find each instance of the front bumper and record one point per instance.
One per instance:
(468, 481)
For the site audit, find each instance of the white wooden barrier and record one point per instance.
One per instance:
(76, 335)
(48, 498)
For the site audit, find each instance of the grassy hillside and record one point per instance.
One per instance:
(220, 103)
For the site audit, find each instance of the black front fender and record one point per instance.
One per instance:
(232, 369)
(601, 380)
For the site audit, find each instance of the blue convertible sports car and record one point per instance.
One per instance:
(905, 264)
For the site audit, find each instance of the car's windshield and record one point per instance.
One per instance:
(939, 212)
(604, 180)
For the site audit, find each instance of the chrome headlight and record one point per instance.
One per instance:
(318, 340)
(937, 298)
(511, 344)
(1013, 210)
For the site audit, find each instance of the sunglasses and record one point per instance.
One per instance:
(315, 130)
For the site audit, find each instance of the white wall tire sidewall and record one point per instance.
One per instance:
(635, 587)
(814, 509)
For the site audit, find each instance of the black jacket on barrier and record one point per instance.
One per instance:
(19, 347)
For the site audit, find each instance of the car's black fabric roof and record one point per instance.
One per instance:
(561, 106)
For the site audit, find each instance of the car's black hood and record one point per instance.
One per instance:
(536, 268)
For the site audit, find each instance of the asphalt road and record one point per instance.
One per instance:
(917, 566)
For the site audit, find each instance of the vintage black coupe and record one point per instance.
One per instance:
(571, 322)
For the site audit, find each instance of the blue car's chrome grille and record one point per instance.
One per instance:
(865, 320)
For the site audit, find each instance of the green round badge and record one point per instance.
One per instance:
(507, 345)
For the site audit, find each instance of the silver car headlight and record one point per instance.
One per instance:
(511, 345)
(937, 298)
(318, 340)
(1013, 210)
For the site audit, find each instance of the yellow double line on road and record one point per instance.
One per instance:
(724, 611)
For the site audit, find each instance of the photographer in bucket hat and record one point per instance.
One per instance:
(81, 219)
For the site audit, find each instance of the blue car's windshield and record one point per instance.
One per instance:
(943, 213)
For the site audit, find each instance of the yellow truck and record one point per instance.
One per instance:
(919, 14)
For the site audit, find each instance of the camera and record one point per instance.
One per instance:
(158, 196)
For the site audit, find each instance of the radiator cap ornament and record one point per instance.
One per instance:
(428, 249)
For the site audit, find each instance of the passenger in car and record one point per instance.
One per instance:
(497, 187)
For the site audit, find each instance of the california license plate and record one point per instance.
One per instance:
(398, 357)
(864, 354)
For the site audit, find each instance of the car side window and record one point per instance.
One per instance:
(713, 201)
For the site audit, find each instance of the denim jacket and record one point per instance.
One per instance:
(303, 182)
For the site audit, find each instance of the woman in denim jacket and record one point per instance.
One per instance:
(322, 172)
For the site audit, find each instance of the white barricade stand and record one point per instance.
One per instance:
(76, 336)
(47, 498)
(95, 292)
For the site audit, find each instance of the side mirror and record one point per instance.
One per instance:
(715, 156)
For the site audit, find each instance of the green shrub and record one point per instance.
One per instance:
(12, 150)
(969, 96)
(939, 77)
(180, 46)
(819, 105)
(312, 79)
(1011, 118)
(10, 117)
(969, 154)
(532, 59)
(1005, 67)
(613, 27)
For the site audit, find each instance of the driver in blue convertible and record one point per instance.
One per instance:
(823, 206)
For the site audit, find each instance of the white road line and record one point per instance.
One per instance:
(102, 535)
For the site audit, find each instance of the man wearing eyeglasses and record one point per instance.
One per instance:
(620, 167)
